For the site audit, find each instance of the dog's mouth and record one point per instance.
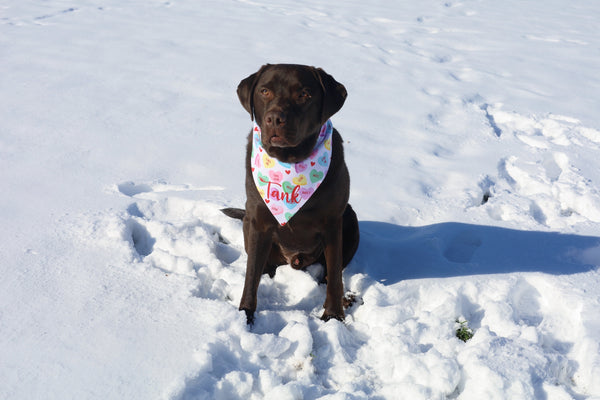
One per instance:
(278, 141)
(281, 138)
(286, 146)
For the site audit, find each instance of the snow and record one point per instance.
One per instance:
(471, 135)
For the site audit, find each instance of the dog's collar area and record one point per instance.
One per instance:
(286, 187)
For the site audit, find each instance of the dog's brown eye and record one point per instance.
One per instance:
(304, 94)
(265, 92)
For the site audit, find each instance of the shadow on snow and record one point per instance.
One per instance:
(390, 253)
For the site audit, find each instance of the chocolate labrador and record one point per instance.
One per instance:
(297, 183)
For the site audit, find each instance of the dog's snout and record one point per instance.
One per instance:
(275, 118)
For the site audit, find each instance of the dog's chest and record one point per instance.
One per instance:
(300, 248)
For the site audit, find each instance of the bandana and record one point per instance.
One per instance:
(285, 187)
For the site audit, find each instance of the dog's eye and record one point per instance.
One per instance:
(265, 92)
(304, 94)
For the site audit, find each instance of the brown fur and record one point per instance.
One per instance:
(290, 104)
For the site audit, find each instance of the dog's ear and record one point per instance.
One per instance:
(334, 94)
(245, 90)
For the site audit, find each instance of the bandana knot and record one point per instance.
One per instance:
(286, 187)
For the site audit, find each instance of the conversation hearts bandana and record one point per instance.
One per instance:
(286, 187)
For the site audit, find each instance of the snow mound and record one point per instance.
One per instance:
(529, 334)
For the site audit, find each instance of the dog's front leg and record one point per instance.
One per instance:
(335, 287)
(258, 247)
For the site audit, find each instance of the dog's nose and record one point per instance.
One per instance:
(275, 118)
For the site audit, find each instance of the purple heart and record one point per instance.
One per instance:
(306, 192)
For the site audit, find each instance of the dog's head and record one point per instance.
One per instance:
(290, 103)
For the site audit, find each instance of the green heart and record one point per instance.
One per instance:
(315, 176)
(288, 216)
(262, 179)
(288, 187)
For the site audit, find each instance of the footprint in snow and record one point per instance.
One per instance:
(177, 235)
(537, 181)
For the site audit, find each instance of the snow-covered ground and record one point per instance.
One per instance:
(472, 137)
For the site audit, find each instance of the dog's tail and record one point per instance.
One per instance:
(236, 213)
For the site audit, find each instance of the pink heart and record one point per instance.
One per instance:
(276, 210)
(300, 167)
(276, 176)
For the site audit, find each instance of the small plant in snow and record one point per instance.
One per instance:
(463, 332)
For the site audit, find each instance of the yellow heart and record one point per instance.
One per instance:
(328, 144)
(268, 162)
(300, 180)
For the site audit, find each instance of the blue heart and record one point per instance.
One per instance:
(289, 204)
(323, 161)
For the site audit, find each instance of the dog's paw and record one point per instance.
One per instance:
(249, 316)
(330, 315)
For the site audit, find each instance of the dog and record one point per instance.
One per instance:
(291, 105)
